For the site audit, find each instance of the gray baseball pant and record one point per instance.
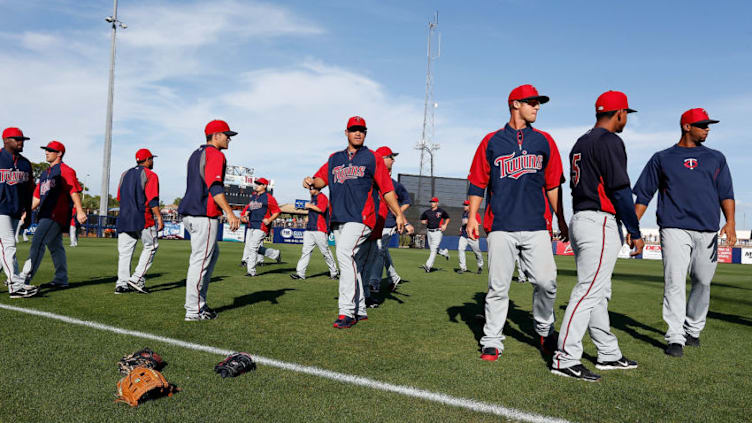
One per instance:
(8, 232)
(204, 255)
(351, 257)
(271, 253)
(697, 252)
(254, 239)
(475, 246)
(48, 234)
(73, 232)
(127, 246)
(383, 260)
(533, 249)
(596, 243)
(313, 239)
(434, 240)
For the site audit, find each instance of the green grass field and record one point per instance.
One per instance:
(424, 336)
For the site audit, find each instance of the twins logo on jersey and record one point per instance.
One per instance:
(690, 163)
(46, 186)
(342, 173)
(12, 177)
(514, 167)
(255, 205)
(438, 214)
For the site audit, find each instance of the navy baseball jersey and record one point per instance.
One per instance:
(435, 218)
(138, 192)
(403, 197)
(319, 221)
(463, 228)
(205, 179)
(515, 168)
(56, 184)
(16, 184)
(691, 183)
(351, 178)
(259, 207)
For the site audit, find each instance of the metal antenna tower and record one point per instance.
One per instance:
(426, 145)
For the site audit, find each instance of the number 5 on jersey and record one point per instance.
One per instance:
(576, 168)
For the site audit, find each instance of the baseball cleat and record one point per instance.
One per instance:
(55, 285)
(334, 276)
(372, 302)
(577, 372)
(296, 276)
(375, 288)
(251, 275)
(138, 288)
(692, 341)
(424, 267)
(359, 318)
(122, 290)
(621, 364)
(25, 292)
(548, 344)
(480, 270)
(242, 264)
(279, 257)
(490, 354)
(460, 271)
(675, 350)
(344, 322)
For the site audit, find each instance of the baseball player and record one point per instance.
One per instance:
(436, 221)
(382, 258)
(519, 167)
(352, 174)
(466, 241)
(203, 203)
(262, 253)
(601, 197)
(16, 188)
(259, 214)
(20, 230)
(694, 183)
(55, 196)
(73, 231)
(139, 218)
(316, 235)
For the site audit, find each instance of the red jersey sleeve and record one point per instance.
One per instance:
(553, 172)
(323, 173)
(381, 177)
(152, 186)
(480, 169)
(322, 203)
(272, 207)
(214, 169)
(71, 182)
(36, 191)
(245, 209)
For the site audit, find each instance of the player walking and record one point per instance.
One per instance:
(55, 196)
(259, 213)
(139, 218)
(600, 198)
(694, 181)
(519, 167)
(352, 174)
(436, 221)
(16, 188)
(466, 241)
(316, 235)
(73, 231)
(203, 203)
(382, 258)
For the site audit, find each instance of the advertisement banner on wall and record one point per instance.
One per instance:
(172, 230)
(237, 236)
(652, 252)
(724, 254)
(746, 255)
(564, 249)
(288, 235)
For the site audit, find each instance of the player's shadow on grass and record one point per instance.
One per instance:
(631, 326)
(279, 270)
(731, 318)
(255, 297)
(99, 281)
(174, 285)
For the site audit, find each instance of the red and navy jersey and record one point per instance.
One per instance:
(138, 192)
(515, 168)
(403, 197)
(691, 183)
(381, 214)
(260, 207)
(465, 216)
(206, 178)
(16, 184)
(435, 218)
(56, 184)
(352, 179)
(319, 221)
(599, 167)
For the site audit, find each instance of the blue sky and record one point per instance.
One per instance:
(286, 75)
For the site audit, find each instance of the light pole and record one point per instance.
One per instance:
(103, 202)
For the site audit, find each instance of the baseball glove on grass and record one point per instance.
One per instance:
(142, 358)
(143, 384)
(235, 365)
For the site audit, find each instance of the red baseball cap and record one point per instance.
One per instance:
(466, 203)
(356, 121)
(261, 181)
(219, 126)
(14, 133)
(697, 116)
(527, 92)
(143, 154)
(53, 145)
(385, 151)
(612, 100)
(434, 200)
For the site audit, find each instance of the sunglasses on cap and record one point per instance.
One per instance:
(531, 102)
(701, 125)
(50, 150)
(357, 129)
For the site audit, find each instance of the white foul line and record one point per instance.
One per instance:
(481, 407)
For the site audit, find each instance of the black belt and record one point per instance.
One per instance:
(434, 230)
